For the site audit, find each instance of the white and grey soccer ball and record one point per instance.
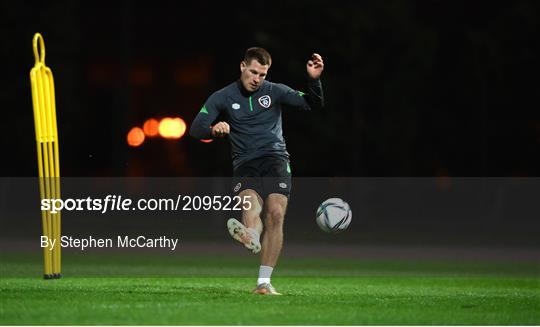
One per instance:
(334, 215)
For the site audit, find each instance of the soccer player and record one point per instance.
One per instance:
(251, 107)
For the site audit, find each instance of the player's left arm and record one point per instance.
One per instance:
(314, 97)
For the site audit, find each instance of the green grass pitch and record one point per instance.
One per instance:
(175, 290)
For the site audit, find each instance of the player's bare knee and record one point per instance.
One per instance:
(251, 202)
(274, 216)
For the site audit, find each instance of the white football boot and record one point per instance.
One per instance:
(265, 289)
(247, 236)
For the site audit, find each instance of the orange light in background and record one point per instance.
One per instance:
(135, 137)
(172, 128)
(151, 127)
(207, 141)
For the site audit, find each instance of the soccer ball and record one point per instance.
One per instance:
(334, 215)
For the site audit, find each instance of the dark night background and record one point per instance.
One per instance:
(426, 88)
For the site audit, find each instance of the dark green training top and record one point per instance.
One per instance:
(254, 117)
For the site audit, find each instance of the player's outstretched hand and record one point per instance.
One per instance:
(315, 66)
(221, 129)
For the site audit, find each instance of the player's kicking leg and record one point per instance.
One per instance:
(276, 205)
(249, 230)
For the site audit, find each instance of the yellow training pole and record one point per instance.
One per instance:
(55, 157)
(43, 101)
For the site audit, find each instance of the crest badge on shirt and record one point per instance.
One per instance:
(265, 101)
